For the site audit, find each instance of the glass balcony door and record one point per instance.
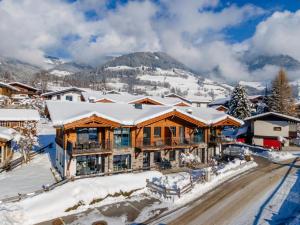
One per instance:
(87, 135)
(147, 136)
(122, 137)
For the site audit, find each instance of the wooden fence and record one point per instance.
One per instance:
(169, 192)
(17, 162)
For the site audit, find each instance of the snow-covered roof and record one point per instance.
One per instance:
(126, 114)
(71, 89)
(129, 98)
(19, 115)
(220, 101)
(199, 99)
(173, 95)
(8, 86)
(24, 85)
(7, 133)
(279, 115)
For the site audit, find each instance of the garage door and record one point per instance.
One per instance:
(272, 143)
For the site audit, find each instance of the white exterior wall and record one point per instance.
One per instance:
(266, 128)
(62, 161)
(258, 141)
(59, 159)
(200, 104)
(76, 96)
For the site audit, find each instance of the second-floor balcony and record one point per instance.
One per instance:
(90, 148)
(170, 142)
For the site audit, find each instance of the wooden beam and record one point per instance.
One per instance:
(93, 121)
(227, 122)
(172, 114)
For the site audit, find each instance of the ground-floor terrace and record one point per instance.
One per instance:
(129, 159)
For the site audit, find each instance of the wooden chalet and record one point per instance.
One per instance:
(7, 90)
(24, 89)
(16, 118)
(111, 137)
(6, 136)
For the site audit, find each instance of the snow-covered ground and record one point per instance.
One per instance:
(272, 155)
(27, 178)
(179, 180)
(277, 156)
(36, 173)
(54, 203)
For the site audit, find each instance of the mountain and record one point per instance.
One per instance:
(68, 68)
(153, 73)
(17, 69)
(258, 62)
(147, 59)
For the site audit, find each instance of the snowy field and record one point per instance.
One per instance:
(33, 175)
(27, 177)
(55, 203)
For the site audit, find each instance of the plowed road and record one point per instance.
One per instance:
(233, 199)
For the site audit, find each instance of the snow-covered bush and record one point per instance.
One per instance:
(28, 139)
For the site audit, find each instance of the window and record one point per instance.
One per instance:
(173, 130)
(122, 162)
(157, 157)
(198, 135)
(277, 128)
(58, 97)
(172, 155)
(69, 98)
(89, 164)
(157, 132)
(122, 137)
(85, 135)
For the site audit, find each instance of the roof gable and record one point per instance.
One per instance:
(273, 115)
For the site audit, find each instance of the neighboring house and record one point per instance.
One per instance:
(198, 101)
(221, 108)
(219, 102)
(297, 108)
(114, 137)
(6, 136)
(72, 94)
(121, 97)
(15, 118)
(24, 89)
(272, 130)
(255, 100)
(7, 90)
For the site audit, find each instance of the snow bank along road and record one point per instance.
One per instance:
(236, 201)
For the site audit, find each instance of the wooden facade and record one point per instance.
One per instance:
(6, 91)
(5, 152)
(25, 89)
(143, 146)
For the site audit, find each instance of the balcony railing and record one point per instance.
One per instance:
(220, 139)
(89, 148)
(167, 142)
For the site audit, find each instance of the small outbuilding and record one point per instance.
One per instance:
(272, 130)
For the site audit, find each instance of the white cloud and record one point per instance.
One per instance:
(278, 34)
(190, 30)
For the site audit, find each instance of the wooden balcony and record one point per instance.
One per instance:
(89, 148)
(167, 143)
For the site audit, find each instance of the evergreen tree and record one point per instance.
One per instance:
(239, 105)
(281, 99)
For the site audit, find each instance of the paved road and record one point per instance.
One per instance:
(233, 198)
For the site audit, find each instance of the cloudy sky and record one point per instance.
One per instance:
(203, 34)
